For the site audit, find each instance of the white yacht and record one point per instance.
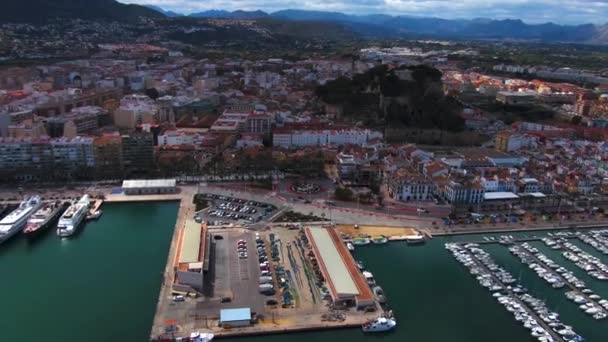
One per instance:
(379, 324)
(73, 217)
(16, 220)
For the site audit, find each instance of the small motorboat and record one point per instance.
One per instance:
(201, 337)
(379, 324)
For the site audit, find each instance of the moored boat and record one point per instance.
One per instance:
(414, 239)
(94, 215)
(44, 218)
(201, 337)
(16, 220)
(361, 241)
(350, 246)
(379, 324)
(379, 240)
(73, 217)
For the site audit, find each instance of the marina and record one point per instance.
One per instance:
(526, 308)
(532, 312)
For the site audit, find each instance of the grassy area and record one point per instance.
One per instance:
(200, 202)
(292, 216)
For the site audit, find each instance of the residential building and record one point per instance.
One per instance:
(408, 185)
(507, 141)
(109, 162)
(259, 122)
(25, 159)
(464, 192)
(515, 97)
(8, 118)
(298, 138)
(73, 158)
(134, 110)
(138, 154)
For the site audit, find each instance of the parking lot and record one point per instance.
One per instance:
(233, 280)
(224, 210)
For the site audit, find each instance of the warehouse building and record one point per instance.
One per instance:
(346, 284)
(192, 259)
(149, 186)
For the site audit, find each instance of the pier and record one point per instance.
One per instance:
(95, 207)
(523, 304)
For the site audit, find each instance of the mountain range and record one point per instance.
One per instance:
(373, 25)
(38, 11)
(479, 28)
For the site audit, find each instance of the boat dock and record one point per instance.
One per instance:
(566, 281)
(523, 304)
(95, 207)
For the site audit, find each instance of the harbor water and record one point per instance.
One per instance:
(101, 285)
(435, 299)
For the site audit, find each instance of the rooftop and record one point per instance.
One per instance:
(341, 278)
(148, 183)
(191, 243)
(231, 315)
(499, 195)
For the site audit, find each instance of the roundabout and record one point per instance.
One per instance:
(305, 188)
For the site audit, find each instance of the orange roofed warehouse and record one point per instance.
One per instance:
(346, 285)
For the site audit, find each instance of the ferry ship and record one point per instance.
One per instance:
(14, 222)
(44, 218)
(73, 217)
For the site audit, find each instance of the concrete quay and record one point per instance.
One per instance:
(185, 211)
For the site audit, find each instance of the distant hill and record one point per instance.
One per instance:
(479, 28)
(231, 15)
(38, 11)
(267, 33)
(165, 12)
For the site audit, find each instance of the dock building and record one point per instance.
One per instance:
(149, 186)
(346, 284)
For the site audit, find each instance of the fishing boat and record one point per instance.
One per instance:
(361, 241)
(379, 294)
(414, 239)
(379, 324)
(379, 240)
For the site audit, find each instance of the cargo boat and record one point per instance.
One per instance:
(45, 217)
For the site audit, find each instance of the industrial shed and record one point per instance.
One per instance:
(240, 317)
(149, 186)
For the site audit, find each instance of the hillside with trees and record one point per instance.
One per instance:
(407, 97)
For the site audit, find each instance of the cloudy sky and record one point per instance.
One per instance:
(533, 11)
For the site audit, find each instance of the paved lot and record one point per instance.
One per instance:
(228, 209)
(232, 276)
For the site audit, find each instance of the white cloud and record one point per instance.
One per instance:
(534, 11)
